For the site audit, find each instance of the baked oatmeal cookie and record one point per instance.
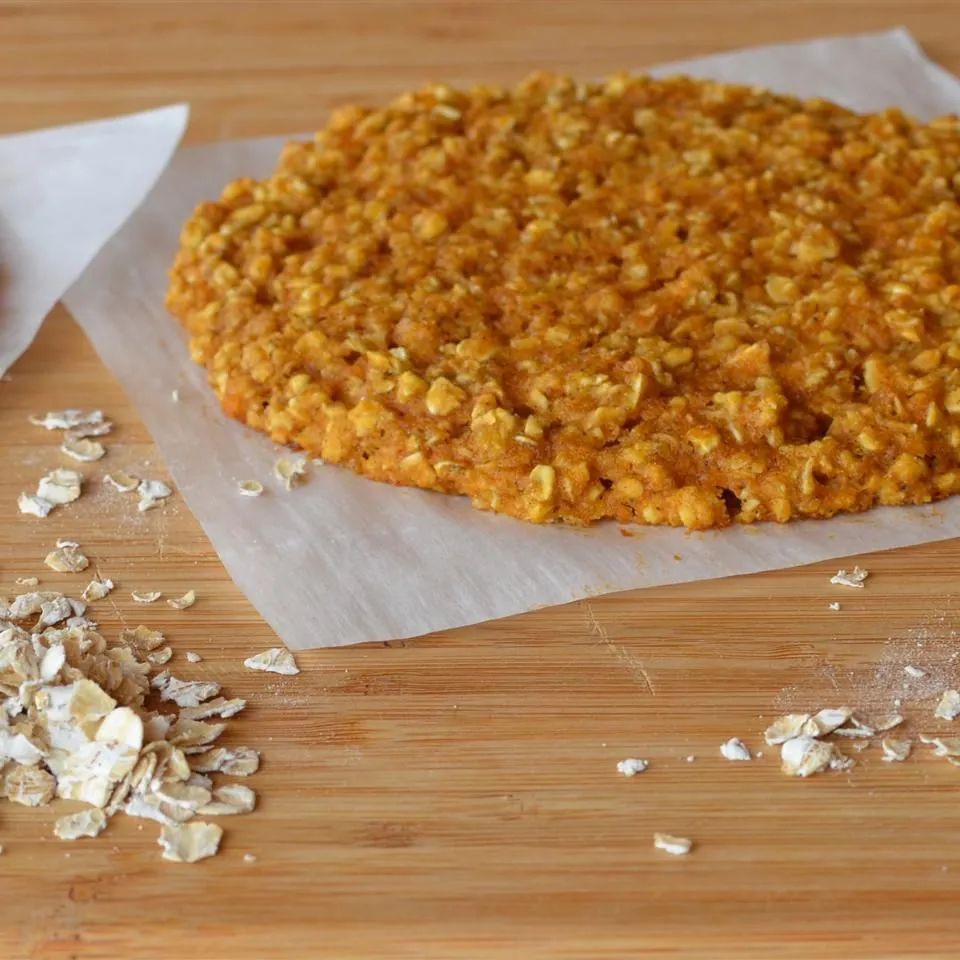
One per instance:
(660, 301)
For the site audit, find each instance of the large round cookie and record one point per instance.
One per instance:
(662, 301)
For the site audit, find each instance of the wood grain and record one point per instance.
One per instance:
(456, 796)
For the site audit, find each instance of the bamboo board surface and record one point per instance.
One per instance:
(456, 795)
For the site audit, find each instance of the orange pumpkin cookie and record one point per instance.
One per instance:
(660, 301)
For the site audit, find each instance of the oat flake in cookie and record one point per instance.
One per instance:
(663, 301)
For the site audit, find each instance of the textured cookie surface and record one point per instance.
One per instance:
(661, 301)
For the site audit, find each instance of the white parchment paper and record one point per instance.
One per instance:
(342, 559)
(64, 192)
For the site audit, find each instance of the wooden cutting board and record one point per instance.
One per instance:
(457, 795)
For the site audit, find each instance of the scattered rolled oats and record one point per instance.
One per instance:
(88, 430)
(70, 419)
(187, 600)
(60, 486)
(67, 558)
(247, 857)
(949, 706)
(677, 846)
(194, 736)
(18, 748)
(157, 726)
(789, 726)
(802, 756)
(97, 589)
(943, 746)
(122, 481)
(55, 607)
(121, 726)
(819, 724)
(855, 578)
(830, 719)
(855, 728)
(141, 639)
(81, 622)
(175, 395)
(632, 766)
(735, 749)
(290, 472)
(189, 842)
(34, 506)
(85, 823)
(26, 581)
(915, 672)
(234, 761)
(30, 786)
(276, 660)
(146, 596)
(193, 657)
(250, 488)
(184, 693)
(834, 606)
(179, 801)
(83, 450)
(895, 751)
(74, 723)
(840, 761)
(151, 493)
(217, 707)
(231, 798)
(887, 723)
(159, 657)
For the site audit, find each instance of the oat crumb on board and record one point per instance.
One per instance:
(122, 482)
(146, 596)
(735, 749)
(79, 448)
(948, 708)
(855, 578)
(275, 660)
(97, 589)
(895, 751)
(182, 603)
(189, 842)
(677, 846)
(67, 558)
